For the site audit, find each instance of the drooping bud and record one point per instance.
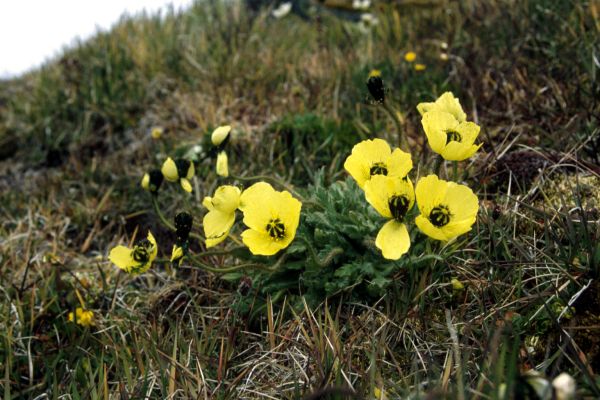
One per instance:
(220, 136)
(183, 226)
(375, 86)
(152, 181)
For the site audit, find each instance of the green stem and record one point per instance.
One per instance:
(402, 142)
(438, 164)
(161, 216)
(235, 268)
(114, 297)
(167, 223)
(455, 171)
(221, 252)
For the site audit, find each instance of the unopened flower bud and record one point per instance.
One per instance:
(183, 226)
(152, 181)
(375, 86)
(220, 136)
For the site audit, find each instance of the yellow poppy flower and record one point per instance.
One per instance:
(221, 214)
(451, 139)
(447, 208)
(447, 103)
(374, 157)
(82, 317)
(393, 198)
(220, 135)
(138, 259)
(222, 165)
(271, 216)
(179, 170)
(410, 56)
(420, 67)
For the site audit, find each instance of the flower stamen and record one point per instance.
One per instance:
(440, 216)
(378, 168)
(398, 207)
(276, 229)
(141, 251)
(453, 136)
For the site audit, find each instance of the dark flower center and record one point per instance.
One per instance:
(453, 136)
(440, 216)
(378, 168)
(276, 229)
(141, 251)
(398, 207)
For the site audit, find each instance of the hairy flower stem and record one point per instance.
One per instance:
(197, 263)
(438, 164)
(455, 171)
(161, 216)
(166, 222)
(114, 296)
(221, 252)
(402, 142)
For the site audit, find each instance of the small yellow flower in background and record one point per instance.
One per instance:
(156, 132)
(222, 165)
(220, 135)
(177, 255)
(152, 181)
(138, 259)
(420, 67)
(393, 198)
(456, 284)
(82, 317)
(379, 394)
(449, 138)
(180, 170)
(271, 216)
(410, 56)
(374, 157)
(447, 208)
(446, 103)
(221, 214)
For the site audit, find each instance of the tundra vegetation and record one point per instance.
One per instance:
(328, 200)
